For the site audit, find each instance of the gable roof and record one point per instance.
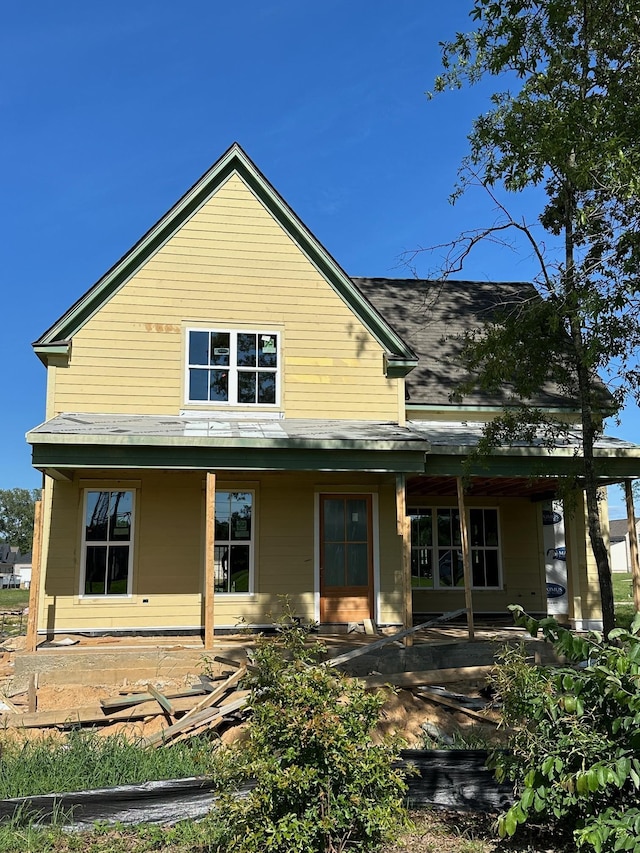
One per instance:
(619, 528)
(400, 357)
(432, 316)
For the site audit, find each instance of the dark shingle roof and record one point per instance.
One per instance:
(430, 316)
(618, 529)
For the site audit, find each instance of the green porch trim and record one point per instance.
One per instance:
(233, 161)
(62, 457)
(608, 468)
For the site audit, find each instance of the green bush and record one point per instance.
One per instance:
(575, 736)
(321, 783)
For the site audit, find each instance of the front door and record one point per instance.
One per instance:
(346, 558)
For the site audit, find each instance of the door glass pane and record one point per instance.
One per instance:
(357, 564)
(334, 520)
(356, 521)
(95, 569)
(118, 570)
(246, 350)
(334, 574)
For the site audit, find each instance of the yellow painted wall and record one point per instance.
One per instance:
(522, 562)
(168, 557)
(231, 265)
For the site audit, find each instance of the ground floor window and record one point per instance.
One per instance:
(107, 542)
(233, 549)
(436, 549)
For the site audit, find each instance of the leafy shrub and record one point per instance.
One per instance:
(575, 742)
(321, 783)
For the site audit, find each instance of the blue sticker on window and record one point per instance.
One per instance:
(551, 517)
(557, 553)
(555, 590)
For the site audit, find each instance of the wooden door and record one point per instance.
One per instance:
(346, 558)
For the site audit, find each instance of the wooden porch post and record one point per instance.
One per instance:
(34, 586)
(209, 564)
(633, 543)
(466, 557)
(404, 530)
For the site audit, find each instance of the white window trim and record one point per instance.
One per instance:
(83, 559)
(232, 402)
(435, 547)
(252, 544)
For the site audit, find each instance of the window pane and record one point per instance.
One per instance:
(357, 564)
(266, 387)
(97, 518)
(198, 347)
(477, 565)
(220, 352)
(118, 570)
(246, 350)
(198, 384)
(334, 564)
(223, 514)
(421, 567)
(240, 505)
(268, 353)
(219, 385)
(476, 527)
(491, 528)
(334, 520)
(444, 527)
(239, 569)
(491, 568)
(246, 387)
(120, 510)
(450, 568)
(357, 521)
(421, 530)
(221, 568)
(95, 570)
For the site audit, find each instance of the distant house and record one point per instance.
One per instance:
(620, 548)
(8, 556)
(23, 569)
(231, 418)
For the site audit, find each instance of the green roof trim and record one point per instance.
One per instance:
(233, 161)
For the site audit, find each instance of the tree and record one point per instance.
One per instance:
(17, 508)
(569, 129)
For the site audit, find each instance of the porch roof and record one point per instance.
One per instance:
(207, 442)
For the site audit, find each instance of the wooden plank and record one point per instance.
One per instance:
(34, 587)
(466, 557)
(370, 627)
(432, 696)
(163, 701)
(209, 564)
(32, 693)
(379, 644)
(218, 693)
(5, 701)
(633, 543)
(206, 715)
(404, 531)
(429, 676)
(144, 696)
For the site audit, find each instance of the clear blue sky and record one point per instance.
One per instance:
(110, 111)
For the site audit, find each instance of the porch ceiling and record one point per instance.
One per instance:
(535, 489)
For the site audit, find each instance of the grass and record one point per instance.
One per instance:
(13, 599)
(85, 760)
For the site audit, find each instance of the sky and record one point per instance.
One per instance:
(111, 111)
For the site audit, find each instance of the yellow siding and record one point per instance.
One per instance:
(168, 566)
(231, 265)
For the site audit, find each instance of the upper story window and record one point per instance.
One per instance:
(436, 549)
(234, 367)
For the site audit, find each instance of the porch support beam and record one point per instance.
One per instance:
(34, 587)
(404, 531)
(633, 543)
(209, 575)
(466, 557)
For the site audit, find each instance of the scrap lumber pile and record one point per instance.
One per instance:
(204, 706)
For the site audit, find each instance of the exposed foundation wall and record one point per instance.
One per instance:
(230, 266)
